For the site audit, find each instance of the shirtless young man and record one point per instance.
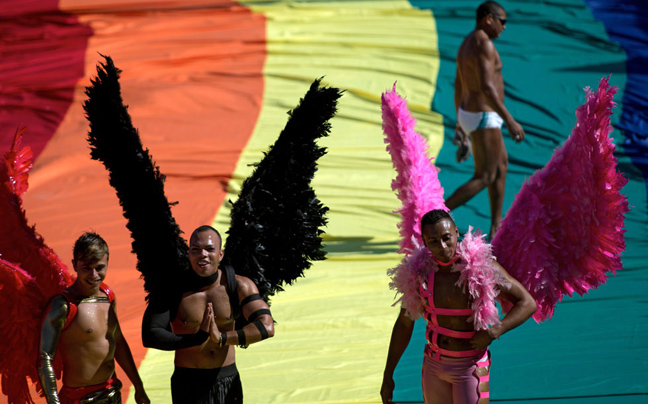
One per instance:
(202, 327)
(81, 325)
(457, 362)
(479, 102)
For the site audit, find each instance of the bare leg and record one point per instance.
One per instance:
(491, 163)
(496, 190)
(435, 390)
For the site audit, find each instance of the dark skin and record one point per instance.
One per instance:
(209, 309)
(479, 87)
(441, 239)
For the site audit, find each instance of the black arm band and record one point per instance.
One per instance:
(258, 314)
(262, 329)
(251, 298)
(241, 337)
(156, 331)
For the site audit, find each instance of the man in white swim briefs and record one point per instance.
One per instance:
(479, 102)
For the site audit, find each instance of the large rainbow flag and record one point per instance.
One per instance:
(209, 83)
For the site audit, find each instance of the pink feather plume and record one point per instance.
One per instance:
(416, 183)
(564, 231)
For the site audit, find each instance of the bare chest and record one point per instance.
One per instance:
(93, 321)
(192, 307)
(446, 292)
(497, 63)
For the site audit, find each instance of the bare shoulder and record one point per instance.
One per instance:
(483, 43)
(476, 45)
(510, 288)
(245, 286)
(503, 278)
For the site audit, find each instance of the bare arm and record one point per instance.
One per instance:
(486, 58)
(460, 136)
(523, 308)
(400, 338)
(255, 310)
(124, 357)
(50, 333)
(457, 89)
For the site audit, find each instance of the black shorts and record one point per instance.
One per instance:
(206, 386)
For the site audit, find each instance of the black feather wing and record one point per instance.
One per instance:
(276, 222)
(162, 252)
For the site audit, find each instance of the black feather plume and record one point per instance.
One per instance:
(161, 251)
(275, 223)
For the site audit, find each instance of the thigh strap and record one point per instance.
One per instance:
(484, 362)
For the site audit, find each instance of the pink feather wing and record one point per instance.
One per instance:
(30, 273)
(18, 163)
(19, 242)
(564, 231)
(20, 305)
(417, 183)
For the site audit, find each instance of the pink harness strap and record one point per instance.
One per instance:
(434, 329)
(436, 352)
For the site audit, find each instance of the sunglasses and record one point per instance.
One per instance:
(501, 20)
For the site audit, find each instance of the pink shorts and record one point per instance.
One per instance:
(452, 380)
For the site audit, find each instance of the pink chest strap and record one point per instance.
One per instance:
(434, 329)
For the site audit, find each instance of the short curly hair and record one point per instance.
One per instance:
(206, 227)
(90, 247)
(435, 216)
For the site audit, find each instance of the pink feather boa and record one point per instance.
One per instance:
(478, 276)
